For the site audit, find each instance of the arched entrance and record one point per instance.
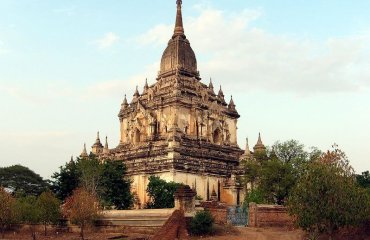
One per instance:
(137, 138)
(217, 136)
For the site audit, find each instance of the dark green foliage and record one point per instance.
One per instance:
(252, 172)
(326, 196)
(66, 180)
(276, 181)
(27, 210)
(276, 170)
(161, 193)
(364, 180)
(260, 156)
(115, 187)
(22, 181)
(255, 195)
(290, 151)
(90, 171)
(106, 179)
(202, 223)
(49, 209)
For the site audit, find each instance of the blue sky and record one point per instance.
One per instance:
(296, 69)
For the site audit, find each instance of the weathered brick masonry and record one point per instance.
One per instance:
(261, 215)
(174, 228)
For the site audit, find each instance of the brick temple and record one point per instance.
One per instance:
(179, 129)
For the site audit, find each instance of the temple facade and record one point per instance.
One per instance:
(179, 129)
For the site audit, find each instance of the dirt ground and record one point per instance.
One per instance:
(76, 236)
(221, 233)
(245, 233)
(231, 233)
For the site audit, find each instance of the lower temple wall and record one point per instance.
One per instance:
(204, 185)
(262, 215)
(133, 219)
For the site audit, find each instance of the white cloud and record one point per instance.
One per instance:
(119, 87)
(108, 40)
(249, 58)
(158, 35)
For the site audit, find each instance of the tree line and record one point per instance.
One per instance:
(79, 191)
(320, 189)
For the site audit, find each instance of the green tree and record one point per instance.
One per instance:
(49, 209)
(252, 172)
(161, 193)
(105, 179)
(327, 197)
(291, 152)
(201, 223)
(82, 208)
(275, 171)
(254, 195)
(276, 180)
(7, 210)
(90, 170)
(364, 180)
(66, 180)
(22, 180)
(115, 188)
(28, 212)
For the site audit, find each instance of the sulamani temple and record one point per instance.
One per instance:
(179, 129)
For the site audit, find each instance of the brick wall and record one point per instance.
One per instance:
(261, 215)
(218, 211)
(174, 228)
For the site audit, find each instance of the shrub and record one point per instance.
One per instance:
(202, 223)
(161, 193)
(81, 208)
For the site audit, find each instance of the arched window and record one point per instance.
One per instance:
(217, 137)
(137, 136)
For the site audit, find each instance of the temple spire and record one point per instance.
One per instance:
(106, 142)
(97, 141)
(106, 149)
(259, 141)
(124, 104)
(221, 93)
(247, 151)
(210, 86)
(179, 28)
(137, 94)
(232, 104)
(84, 152)
(97, 137)
(259, 147)
(146, 84)
(97, 147)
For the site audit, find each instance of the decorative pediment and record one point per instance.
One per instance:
(216, 124)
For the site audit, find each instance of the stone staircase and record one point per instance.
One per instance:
(145, 220)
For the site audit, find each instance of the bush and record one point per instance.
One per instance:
(161, 193)
(202, 223)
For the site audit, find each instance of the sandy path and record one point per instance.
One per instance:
(258, 234)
